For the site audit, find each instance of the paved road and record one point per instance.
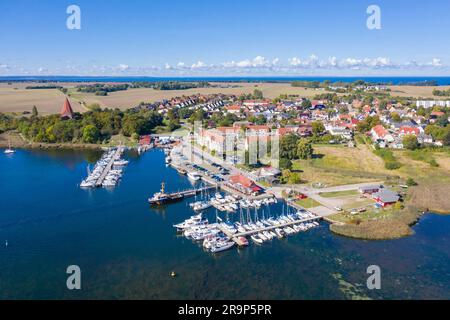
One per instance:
(328, 204)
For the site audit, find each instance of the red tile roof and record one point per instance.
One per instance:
(66, 111)
(410, 130)
(242, 180)
(380, 131)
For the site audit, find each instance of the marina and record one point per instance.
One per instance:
(107, 171)
(131, 248)
(224, 235)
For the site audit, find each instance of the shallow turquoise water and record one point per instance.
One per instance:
(127, 250)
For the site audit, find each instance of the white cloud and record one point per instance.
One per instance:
(436, 62)
(199, 64)
(259, 65)
(123, 67)
(295, 61)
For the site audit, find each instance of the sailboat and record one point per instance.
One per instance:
(9, 150)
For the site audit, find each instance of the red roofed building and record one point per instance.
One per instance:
(409, 130)
(380, 133)
(233, 108)
(243, 184)
(66, 111)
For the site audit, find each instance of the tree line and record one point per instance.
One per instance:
(96, 126)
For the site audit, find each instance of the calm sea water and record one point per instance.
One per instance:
(377, 79)
(127, 250)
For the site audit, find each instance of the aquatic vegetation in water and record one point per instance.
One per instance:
(351, 291)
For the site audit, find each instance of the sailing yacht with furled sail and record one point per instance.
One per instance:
(9, 150)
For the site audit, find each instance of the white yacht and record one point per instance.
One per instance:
(221, 246)
(194, 176)
(256, 239)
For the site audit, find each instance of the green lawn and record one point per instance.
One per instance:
(422, 155)
(308, 203)
(370, 214)
(337, 194)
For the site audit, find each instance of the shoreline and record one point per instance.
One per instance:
(17, 142)
(393, 228)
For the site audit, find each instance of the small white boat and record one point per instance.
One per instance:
(262, 237)
(256, 239)
(201, 206)
(9, 150)
(121, 163)
(279, 233)
(194, 176)
(86, 184)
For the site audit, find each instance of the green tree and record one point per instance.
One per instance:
(294, 178)
(304, 149)
(288, 146)
(410, 142)
(285, 164)
(410, 182)
(395, 117)
(258, 94)
(306, 104)
(317, 128)
(34, 112)
(446, 137)
(90, 134)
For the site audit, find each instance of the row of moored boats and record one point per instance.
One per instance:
(112, 161)
(230, 203)
(216, 237)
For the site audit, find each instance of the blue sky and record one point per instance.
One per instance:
(224, 37)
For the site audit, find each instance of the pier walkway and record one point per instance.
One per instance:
(192, 192)
(108, 167)
(235, 236)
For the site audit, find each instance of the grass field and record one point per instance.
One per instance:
(338, 165)
(338, 194)
(308, 203)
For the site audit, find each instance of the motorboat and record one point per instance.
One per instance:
(256, 239)
(120, 163)
(243, 241)
(221, 246)
(262, 236)
(279, 233)
(202, 205)
(87, 184)
(194, 176)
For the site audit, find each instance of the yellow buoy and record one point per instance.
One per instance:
(173, 274)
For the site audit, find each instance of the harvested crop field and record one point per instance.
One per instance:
(416, 91)
(15, 98)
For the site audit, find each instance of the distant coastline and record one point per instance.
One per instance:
(395, 80)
